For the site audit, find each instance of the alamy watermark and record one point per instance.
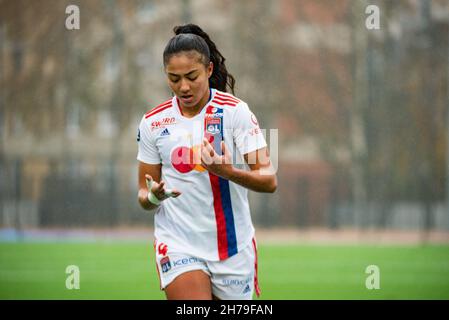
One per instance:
(373, 280)
(72, 22)
(73, 280)
(372, 22)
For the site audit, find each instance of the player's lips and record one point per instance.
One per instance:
(186, 99)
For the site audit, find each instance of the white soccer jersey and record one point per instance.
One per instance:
(211, 218)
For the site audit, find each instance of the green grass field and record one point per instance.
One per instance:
(114, 270)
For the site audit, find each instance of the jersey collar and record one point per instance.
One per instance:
(203, 110)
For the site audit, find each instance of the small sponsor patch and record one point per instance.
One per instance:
(214, 115)
(165, 264)
(162, 123)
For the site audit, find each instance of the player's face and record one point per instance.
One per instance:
(188, 78)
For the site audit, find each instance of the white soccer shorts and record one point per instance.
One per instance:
(232, 279)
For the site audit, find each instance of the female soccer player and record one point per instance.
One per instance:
(204, 237)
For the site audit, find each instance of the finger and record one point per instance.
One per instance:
(149, 181)
(163, 197)
(158, 190)
(172, 193)
(207, 145)
(226, 154)
(204, 164)
(176, 193)
(205, 157)
(161, 186)
(224, 149)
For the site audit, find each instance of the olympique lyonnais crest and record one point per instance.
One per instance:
(213, 125)
(165, 264)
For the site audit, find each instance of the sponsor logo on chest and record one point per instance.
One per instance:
(162, 123)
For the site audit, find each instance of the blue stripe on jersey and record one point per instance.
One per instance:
(229, 216)
(227, 203)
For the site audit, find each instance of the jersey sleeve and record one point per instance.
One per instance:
(147, 150)
(248, 136)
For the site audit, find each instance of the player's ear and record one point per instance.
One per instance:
(210, 69)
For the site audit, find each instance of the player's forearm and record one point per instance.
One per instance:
(254, 180)
(144, 202)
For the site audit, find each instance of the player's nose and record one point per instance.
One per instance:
(184, 88)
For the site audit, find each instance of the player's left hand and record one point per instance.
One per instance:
(220, 165)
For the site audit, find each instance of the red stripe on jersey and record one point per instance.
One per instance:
(159, 106)
(164, 104)
(222, 239)
(226, 97)
(154, 111)
(225, 100)
(225, 94)
(224, 103)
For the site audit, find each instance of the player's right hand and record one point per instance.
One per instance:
(159, 190)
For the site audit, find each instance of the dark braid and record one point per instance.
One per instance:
(191, 37)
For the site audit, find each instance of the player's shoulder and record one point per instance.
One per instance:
(227, 100)
(159, 110)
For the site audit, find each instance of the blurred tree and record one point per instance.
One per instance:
(360, 102)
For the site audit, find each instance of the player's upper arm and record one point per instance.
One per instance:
(258, 159)
(154, 170)
(147, 149)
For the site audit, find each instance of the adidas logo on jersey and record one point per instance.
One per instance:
(165, 133)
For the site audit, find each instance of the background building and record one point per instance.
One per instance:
(361, 114)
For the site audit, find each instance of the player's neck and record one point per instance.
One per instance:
(193, 111)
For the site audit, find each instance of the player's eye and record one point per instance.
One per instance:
(174, 80)
(192, 79)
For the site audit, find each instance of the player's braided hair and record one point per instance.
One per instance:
(191, 37)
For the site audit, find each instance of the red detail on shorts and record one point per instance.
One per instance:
(162, 249)
(157, 268)
(256, 281)
(158, 109)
